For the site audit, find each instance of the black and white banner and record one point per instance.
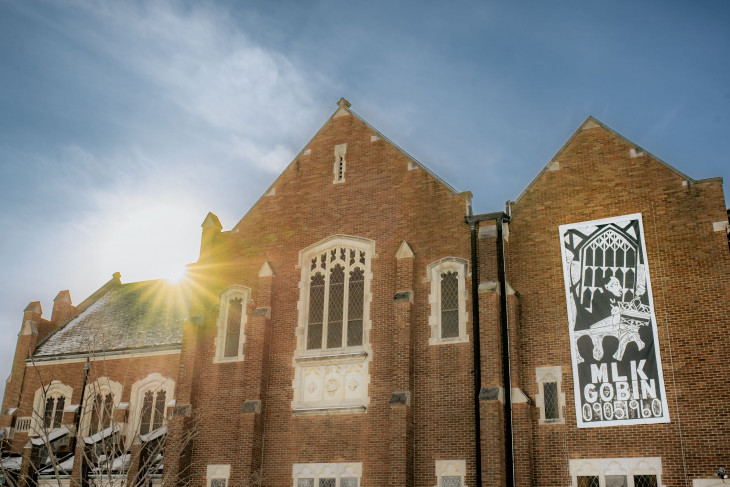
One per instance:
(617, 370)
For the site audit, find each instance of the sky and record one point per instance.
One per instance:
(123, 123)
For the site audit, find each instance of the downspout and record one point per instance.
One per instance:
(473, 222)
(508, 435)
(477, 347)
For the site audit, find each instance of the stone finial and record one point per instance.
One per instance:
(342, 103)
(212, 221)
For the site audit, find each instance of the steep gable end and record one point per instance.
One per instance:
(338, 152)
(632, 151)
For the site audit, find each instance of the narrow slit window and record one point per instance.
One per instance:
(550, 392)
(146, 418)
(233, 328)
(316, 312)
(449, 305)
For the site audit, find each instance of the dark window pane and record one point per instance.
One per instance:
(146, 417)
(326, 482)
(335, 307)
(449, 305)
(48, 413)
(355, 307)
(645, 481)
(95, 413)
(233, 327)
(588, 481)
(159, 409)
(58, 417)
(550, 398)
(316, 312)
(106, 419)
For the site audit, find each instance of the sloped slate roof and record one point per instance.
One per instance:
(131, 316)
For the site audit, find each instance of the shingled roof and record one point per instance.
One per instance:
(132, 316)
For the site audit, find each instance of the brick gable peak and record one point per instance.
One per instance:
(344, 109)
(593, 123)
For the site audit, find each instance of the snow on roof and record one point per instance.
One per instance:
(11, 463)
(129, 316)
(52, 436)
(154, 434)
(65, 466)
(97, 437)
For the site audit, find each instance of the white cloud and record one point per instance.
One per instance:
(196, 60)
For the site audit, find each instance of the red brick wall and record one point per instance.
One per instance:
(383, 201)
(690, 277)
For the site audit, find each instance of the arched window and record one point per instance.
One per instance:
(231, 324)
(331, 363)
(101, 412)
(48, 406)
(101, 399)
(153, 411)
(448, 300)
(336, 281)
(149, 400)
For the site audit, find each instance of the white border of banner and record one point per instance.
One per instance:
(566, 282)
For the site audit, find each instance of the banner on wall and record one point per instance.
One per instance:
(617, 370)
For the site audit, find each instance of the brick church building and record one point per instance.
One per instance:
(361, 326)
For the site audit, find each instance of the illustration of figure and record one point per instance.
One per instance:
(610, 315)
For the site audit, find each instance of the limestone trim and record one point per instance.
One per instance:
(339, 167)
(345, 474)
(450, 468)
(333, 379)
(227, 296)
(628, 467)
(550, 375)
(103, 386)
(217, 475)
(153, 382)
(56, 389)
(435, 274)
(100, 356)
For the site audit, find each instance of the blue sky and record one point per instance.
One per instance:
(123, 123)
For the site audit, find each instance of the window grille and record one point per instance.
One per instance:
(550, 397)
(218, 482)
(645, 481)
(450, 304)
(327, 482)
(305, 483)
(336, 299)
(451, 481)
(588, 481)
(348, 482)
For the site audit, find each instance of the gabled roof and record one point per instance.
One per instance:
(132, 316)
(343, 108)
(592, 122)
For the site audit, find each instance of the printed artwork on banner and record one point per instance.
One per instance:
(613, 335)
